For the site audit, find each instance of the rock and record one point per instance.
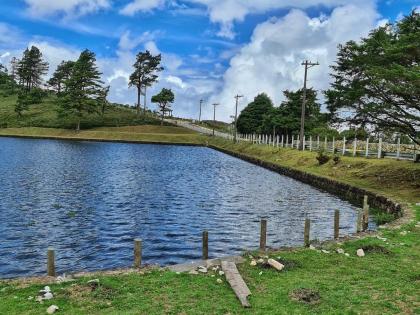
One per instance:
(275, 264)
(52, 309)
(39, 299)
(193, 272)
(202, 269)
(403, 233)
(312, 247)
(360, 252)
(219, 280)
(93, 281)
(340, 250)
(48, 296)
(45, 289)
(215, 268)
(260, 261)
(325, 251)
(253, 263)
(347, 254)
(221, 273)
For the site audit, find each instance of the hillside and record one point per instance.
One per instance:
(46, 115)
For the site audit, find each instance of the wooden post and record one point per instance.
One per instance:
(282, 141)
(137, 253)
(365, 201)
(398, 146)
(380, 148)
(325, 144)
(304, 143)
(367, 147)
(297, 141)
(317, 141)
(310, 143)
(278, 140)
(365, 217)
(205, 245)
(354, 146)
(50, 262)
(359, 221)
(344, 145)
(333, 146)
(293, 139)
(263, 235)
(306, 232)
(336, 224)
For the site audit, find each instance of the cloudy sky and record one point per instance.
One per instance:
(211, 49)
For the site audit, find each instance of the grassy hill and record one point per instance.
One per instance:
(46, 115)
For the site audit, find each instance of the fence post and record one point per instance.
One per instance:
(306, 232)
(293, 139)
(310, 143)
(398, 146)
(304, 143)
(50, 262)
(336, 224)
(365, 220)
(287, 140)
(344, 145)
(354, 146)
(263, 235)
(317, 140)
(137, 253)
(297, 141)
(380, 148)
(367, 147)
(205, 245)
(278, 140)
(359, 221)
(325, 144)
(333, 146)
(282, 141)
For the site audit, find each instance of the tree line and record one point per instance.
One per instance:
(77, 84)
(375, 87)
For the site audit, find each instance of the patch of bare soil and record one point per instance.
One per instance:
(305, 295)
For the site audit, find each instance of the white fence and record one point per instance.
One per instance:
(349, 147)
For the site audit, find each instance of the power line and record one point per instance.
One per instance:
(307, 65)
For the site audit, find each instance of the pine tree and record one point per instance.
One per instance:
(61, 74)
(144, 74)
(83, 88)
(31, 68)
(164, 99)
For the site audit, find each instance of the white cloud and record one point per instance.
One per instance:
(271, 62)
(42, 8)
(140, 6)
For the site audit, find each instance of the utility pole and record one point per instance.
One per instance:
(199, 116)
(214, 116)
(237, 97)
(307, 65)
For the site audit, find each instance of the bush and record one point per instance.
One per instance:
(336, 159)
(322, 157)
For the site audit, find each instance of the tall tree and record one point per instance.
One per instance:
(377, 81)
(102, 99)
(83, 88)
(144, 74)
(60, 75)
(251, 118)
(31, 68)
(164, 100)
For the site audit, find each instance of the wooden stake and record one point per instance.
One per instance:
(137, 253)
(359, 221)
(365, 217)
(263, 235)
(50, 262)
(307, 232)
(336, 224)
(205, 245)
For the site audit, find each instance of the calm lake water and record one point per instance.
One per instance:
(90, 200)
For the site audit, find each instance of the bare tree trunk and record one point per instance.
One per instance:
(78, 125)
(138, 99)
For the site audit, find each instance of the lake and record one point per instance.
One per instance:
(89, 200)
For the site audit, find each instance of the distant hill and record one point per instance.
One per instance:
(46, 115)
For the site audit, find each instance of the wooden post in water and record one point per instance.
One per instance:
(205, 245)
(306, 232)
(51, 262)
(137, 253)
(365, 216)
(336, 224)
(263, 235)
(359, 221)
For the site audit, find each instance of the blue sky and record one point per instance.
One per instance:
(211, 49)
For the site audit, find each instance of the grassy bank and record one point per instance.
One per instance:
(385, 281)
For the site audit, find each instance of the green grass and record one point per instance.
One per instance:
(46, 115)
(385, 281)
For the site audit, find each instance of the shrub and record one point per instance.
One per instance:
(336, 159)
(322, 157)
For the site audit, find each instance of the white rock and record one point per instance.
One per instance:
(275, 264)
(260, 261)
(202, 269)
(325, 251)
(193, 272)
(347, 254)
(39, 299)
(219, 280)
(253, 263)
(47, 289)
(403, 233)
(340, 250)
(48, 296)
(52, 309)
(221, 273)
(312, 247)
(360, 252)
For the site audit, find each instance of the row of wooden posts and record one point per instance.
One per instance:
(281, 141)
(362, 225)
